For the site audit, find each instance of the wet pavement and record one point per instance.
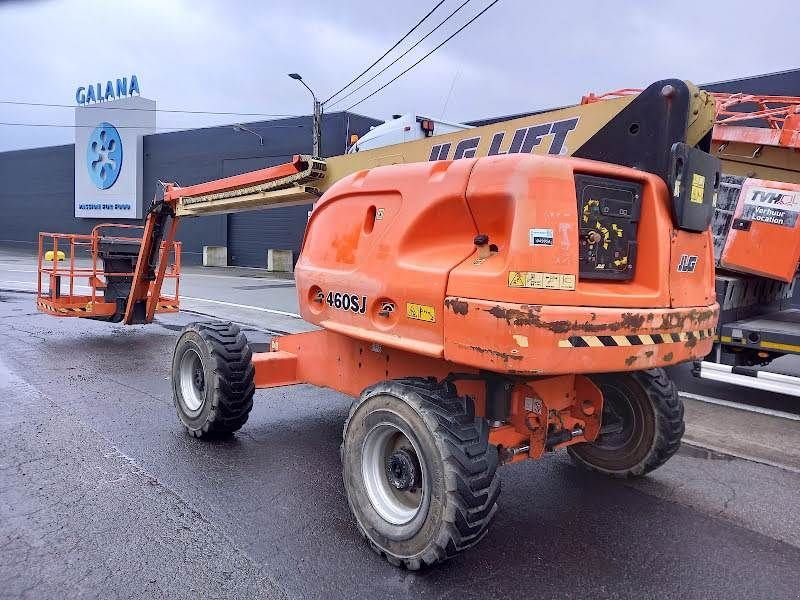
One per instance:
(102, 494)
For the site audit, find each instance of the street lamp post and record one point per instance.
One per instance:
(240, 127)
(317, 133)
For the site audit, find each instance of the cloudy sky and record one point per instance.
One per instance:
(234, 56)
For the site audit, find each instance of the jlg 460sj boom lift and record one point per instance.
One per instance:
(481, 311)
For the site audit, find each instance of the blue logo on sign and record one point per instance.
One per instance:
(104, 155)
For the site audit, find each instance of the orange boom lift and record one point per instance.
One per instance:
(481, 311)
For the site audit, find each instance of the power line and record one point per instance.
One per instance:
(410, 31)
(446, 19)
(7, 124)
(457, 31)
(161, 110)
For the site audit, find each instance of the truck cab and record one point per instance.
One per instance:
(403, 128)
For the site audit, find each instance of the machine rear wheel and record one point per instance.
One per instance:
(419, 473)
(212, 378)
(642, 424)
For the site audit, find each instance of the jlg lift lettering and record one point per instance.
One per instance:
(344, 301)
(524, 141)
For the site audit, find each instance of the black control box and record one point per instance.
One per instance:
(608, 216)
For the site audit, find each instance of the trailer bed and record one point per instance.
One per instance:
(777, 331)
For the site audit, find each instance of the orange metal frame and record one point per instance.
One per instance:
(781, 113)
(173, 192)
(348, 365)
(52, 299)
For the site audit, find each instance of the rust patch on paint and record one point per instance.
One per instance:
(694, 316)
(460, 307)
(692, 340)
(635, 322)
(668, 356)
(649, 353)
(630, 360)
(505, 356)
(529, 316)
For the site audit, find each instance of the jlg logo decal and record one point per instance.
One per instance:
(524, 141)
(687, 263)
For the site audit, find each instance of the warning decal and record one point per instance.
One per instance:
(770, 205)
(420, 312)
(541, 281)
(698, 188)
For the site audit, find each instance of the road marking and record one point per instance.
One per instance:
(754, 409)
(239, 277)
(192, 298)
(22, 282)
(247, 306)
(735, 454)
(288, 281)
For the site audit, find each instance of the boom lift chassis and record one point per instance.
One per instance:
(433, 419)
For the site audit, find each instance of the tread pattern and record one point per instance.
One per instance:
(473, 485)
(669, 424)
(232, 395)
(669, 420)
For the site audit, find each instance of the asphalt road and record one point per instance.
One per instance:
(254, 297)
(102, 494)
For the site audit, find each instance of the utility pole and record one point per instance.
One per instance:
(316, 142)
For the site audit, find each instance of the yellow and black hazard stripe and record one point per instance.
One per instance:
(597, 341)
(64, 310)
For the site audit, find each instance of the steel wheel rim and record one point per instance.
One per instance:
(396, 506)
(192, 380)
(617, 410)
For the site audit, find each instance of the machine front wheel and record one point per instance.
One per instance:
(212, 378)
(642, 424)
(419, 473)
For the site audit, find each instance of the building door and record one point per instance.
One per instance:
(252, 233)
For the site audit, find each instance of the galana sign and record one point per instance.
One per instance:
(113, 90)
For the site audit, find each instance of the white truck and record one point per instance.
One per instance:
(403, 128)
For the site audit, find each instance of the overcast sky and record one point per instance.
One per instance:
(234, 56)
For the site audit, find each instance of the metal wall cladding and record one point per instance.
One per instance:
(38, 185)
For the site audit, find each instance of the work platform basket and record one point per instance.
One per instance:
(90, 275)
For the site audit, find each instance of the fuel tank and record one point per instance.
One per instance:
(517, 264)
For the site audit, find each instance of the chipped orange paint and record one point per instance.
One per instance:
(423, 251)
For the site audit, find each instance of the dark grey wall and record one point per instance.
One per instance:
(37, 187)
(783, 83)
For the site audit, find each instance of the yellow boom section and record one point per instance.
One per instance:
(558, 132)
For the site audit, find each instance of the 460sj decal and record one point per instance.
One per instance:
(346, 301)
